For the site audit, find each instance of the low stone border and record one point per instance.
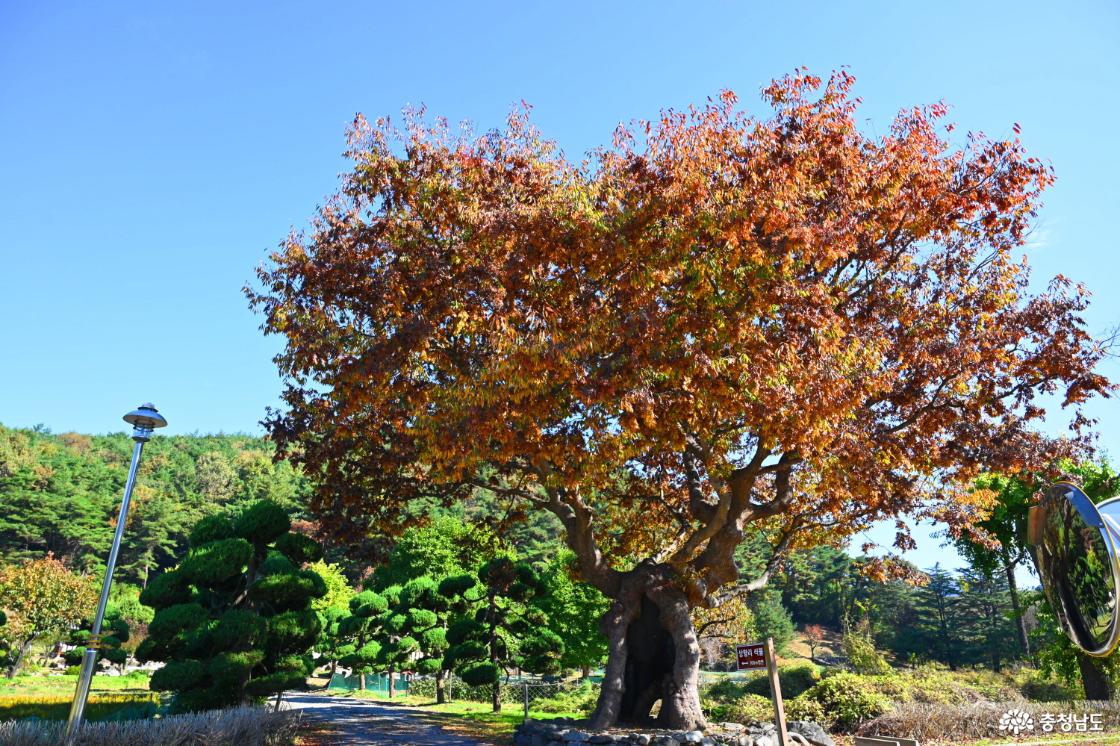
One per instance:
(563, 732)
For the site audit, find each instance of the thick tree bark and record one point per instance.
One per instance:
(1094, 678)
(441, 687)
(392, 688)
(653, 657)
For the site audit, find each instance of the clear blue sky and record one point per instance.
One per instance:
(151, 154)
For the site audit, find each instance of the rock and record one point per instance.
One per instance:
(575, 736)
(812, 732)
(601, 738)
(693, 736)
(733, 727)
(664, 741)
(767, 739)
(642, 739)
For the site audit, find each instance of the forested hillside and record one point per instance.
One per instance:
(60, 494)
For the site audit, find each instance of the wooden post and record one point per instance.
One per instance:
(776, 693)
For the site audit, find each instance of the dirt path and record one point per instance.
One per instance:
(363, 722)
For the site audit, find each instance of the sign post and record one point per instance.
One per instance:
(755, 657)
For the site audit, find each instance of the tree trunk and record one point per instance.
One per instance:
(392, 689)
(584, 672)
(1094, 678)
(653, 656)
(330, 676)
(20, 652)
(1016, 606)
(441, 687)
(361, 682)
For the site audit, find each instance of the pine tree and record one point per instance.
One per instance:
(233, 621)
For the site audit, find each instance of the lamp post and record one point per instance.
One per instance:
(144, 419)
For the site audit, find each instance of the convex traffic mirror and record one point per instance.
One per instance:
(1074, 544)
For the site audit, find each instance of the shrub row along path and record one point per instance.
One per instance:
(365, 722)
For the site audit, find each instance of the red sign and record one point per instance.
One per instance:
(751, 657)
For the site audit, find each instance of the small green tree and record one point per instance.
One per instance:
(858, 645)
(574, 610)
(425, 619)
(41, 598)
(771, 619)
(497, 627)
(115, 632)
(360, 629)
(233, 621)
(331, 645)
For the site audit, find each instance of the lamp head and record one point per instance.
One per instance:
(144, 419)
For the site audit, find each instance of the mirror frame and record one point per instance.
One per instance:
(1110, 534)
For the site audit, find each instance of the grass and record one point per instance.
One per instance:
(49, 697)
(39, 685)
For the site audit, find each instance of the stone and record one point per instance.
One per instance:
(642, 739)
(575, 736)
(693, 736)
(733, 727)
(601, 738)
(812, 732)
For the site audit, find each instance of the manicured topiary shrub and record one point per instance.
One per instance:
(233, 621)
(114, 632)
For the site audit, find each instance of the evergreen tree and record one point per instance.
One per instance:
(771, 619)
(986, 617)
(233, 621)
(361, 629)
(424, 617)
(938, 606)
(497, 628)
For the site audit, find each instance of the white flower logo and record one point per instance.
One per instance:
(1016, 721)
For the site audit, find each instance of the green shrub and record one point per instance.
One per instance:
(580, 699)
(804, 708)
(723, 690)
(859, 647)
(795, 679)
(849, 698)
(1039, 687)
(749, 708)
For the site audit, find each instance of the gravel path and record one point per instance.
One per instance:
(364, 722)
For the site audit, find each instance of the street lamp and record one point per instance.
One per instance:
(144, 419)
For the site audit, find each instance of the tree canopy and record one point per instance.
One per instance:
(718, 320)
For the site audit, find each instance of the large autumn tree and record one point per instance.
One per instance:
(719, 320)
